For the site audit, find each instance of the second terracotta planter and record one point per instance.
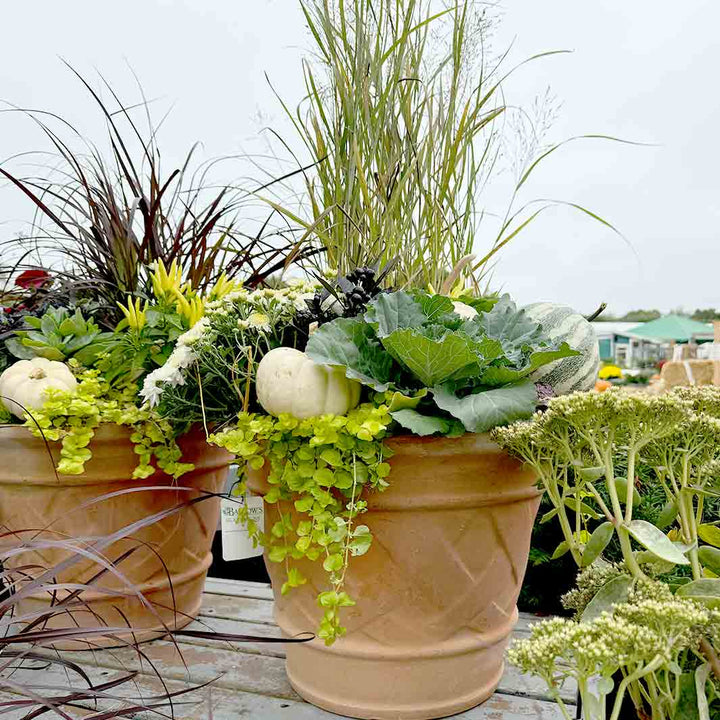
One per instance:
(170, 558)
(436, 594)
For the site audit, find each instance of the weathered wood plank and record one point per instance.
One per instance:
(253, 672)
(238, 608)
(223, 704)
(238, 588)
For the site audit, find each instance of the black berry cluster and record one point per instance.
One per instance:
(347, 297)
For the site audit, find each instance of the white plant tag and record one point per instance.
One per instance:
(236, 542)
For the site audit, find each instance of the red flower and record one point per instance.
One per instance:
(30, 279)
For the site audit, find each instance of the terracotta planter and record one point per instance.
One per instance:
(436, 594)
(32, 496)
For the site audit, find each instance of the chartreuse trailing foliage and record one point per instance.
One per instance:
(318, 470)
(73, 417)
(587, 449)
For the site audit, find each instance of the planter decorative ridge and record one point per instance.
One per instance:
(171, 556)
(436, 594)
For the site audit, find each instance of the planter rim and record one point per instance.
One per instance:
(113, 458)
(431, 445)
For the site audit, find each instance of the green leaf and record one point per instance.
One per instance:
(50, 353)
(621, 486)
(710, 558)
(277, 554)
(333, 562)
(394, 311)
(656, 542)
(611, 593)
(361, 540)
(67, 327)
(599, 540)
(351, 343)
(502, 375)
(422, 425)
(591, 474)
(710, 534)
(399, 401)
(667, 514)
(705, 590)
(48, 324)
(585, 510)
(16, 348)
(509, 325)
(562, 549)
(548, 516)
(483, 411)
(435, 306)
(431, 360)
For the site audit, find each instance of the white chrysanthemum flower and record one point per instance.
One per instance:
(259, 321)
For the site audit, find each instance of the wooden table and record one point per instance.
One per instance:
(248, 680)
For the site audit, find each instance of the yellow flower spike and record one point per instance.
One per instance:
(166, 282)
(197, 310)
(140, 314)
(134, 313)
(182, 304)
(126, 311)
(174, 276)
(223, 286)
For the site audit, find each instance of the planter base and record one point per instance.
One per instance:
(169, 607)
(454, 678)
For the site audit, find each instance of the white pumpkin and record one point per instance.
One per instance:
(466, 312)
(23, 384)
(288, 381)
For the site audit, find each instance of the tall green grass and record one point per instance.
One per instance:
(403, 120)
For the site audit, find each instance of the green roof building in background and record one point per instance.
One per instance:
(631, 345)
(673, 328)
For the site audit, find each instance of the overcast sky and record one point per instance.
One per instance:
(641, 70)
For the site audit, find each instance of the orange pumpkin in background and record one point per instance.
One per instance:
(602, 385)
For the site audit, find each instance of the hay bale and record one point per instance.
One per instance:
(674, 374)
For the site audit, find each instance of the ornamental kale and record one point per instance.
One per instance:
(466, 374)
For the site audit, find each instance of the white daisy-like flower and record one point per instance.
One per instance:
(259, 321)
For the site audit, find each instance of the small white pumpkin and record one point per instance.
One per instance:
(288, 381)
(24, 383)
(466, 312)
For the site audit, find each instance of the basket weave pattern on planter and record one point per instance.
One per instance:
(436, 594)
(172, 555)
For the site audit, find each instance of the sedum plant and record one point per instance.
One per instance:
(653, 639)
(587, 449)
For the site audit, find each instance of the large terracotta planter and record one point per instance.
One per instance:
(436, 594)
(172, 556)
